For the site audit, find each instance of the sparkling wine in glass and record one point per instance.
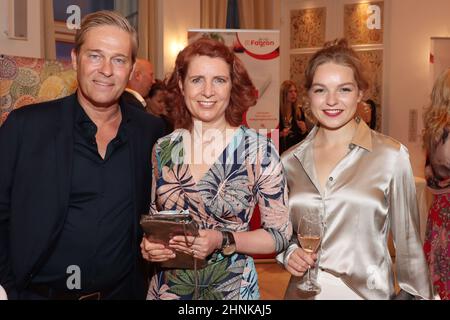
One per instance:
(309, 234)
(309, 243)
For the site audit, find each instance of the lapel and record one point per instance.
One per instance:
(63, 144)
(128, 114)
(64, 151)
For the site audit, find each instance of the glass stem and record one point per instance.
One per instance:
(309, 275)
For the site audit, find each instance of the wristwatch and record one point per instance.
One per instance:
(228, 243)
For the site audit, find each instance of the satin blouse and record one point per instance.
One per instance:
(369, 192)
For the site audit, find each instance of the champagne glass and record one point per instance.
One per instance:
(309, 234)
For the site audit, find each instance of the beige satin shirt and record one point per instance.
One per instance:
(369, 192)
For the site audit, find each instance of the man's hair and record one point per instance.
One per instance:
(106, 18)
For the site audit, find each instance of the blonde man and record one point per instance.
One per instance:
(75, 179)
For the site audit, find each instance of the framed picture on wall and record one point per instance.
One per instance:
(364, 23)
(297, 70)
(373, 66)
(308, 28)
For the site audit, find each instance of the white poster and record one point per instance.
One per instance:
(259, 50)
(439, 57)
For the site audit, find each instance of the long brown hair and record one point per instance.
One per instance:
(284, 90)
(285, 109)
(437, 116)
(243, 93)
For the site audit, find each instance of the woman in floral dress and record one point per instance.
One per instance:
(219, 171)
(437, 144)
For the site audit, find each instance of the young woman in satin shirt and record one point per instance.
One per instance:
(361, 183)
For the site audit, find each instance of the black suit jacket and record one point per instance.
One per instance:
(36, 150)
(132, 100)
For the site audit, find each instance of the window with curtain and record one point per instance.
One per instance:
(64, 38)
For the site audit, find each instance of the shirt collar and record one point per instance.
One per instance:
(361, 138)
(137, 96)
(88, 127)
(81, 116)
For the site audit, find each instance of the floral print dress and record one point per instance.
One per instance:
(247, 173)
(437, 236)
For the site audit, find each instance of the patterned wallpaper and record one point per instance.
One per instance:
(308, 28)
(373, 64)
(355, 24)
(25, 81)
(298, 66)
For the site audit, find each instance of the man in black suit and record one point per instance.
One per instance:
(75, 176)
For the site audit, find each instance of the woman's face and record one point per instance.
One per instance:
(292, 94)
(157, 104)
(334, 95)
(207, 89)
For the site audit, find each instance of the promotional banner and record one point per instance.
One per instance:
(259, 50)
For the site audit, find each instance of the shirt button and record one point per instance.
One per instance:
(351, 146)
(331, 179)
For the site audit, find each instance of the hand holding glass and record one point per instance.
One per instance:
(309, 235)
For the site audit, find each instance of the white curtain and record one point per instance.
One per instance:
(49, 29)
(148, 30)
(256, 14)
(213, 14)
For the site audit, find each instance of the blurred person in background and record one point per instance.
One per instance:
(437, 172)
(141, 81)
(293, 126)
(157, 104)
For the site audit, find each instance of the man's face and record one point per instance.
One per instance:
(146, 79)
(103, 66)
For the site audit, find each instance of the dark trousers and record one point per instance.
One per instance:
(123, 290)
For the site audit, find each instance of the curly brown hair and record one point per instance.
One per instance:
(437, 116)
(243, 93)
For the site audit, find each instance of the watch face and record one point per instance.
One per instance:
(229, 249)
